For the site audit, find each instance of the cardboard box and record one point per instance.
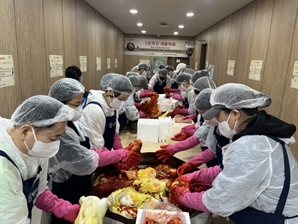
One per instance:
(148, 130)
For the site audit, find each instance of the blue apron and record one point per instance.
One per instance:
(221, 141)
(158, 87)
(110, 129)
(84, 101)
(122, 121)
(185, 103)
(30, 186)
(253, 216)
(75, 187)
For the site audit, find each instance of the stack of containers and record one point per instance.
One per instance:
(165, 126)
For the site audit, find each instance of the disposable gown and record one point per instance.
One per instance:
(253, 175)
(202, 133)
(191, 101)
(72, 158)
(155, 79)
(13, 203)
(130, 109)
(94, 118)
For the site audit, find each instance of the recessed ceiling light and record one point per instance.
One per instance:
(140, 24)
(133, 11)
(189, 14)
(181, 26)
(175, 33)
(143, 31)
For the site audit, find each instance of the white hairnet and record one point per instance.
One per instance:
(41, 111)
(179, 66)
(199, 74)
(134, 80)
(128, 74)
(65, 89)
(235, 96)
(204, 83)
(202, 101)
(187, 70)
(144, 81)
(143, 65)
(116, 82)
(134, 69)
(183, 77)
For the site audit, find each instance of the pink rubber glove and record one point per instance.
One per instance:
(139, 106)
(205, 175)
(191, 116)
(177, 97)
(147, 94)
(141, 114)
(199, 159)
(183, 111)
(49, 202)
(107, 157)
(193, 200)
(175, 91)
(167, 151)
(117, 142)
(188, 127)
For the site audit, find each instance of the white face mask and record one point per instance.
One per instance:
(144, 73)
(117, 104)
(225, 129)
(182, 87)
(212, 122)
(78, 113)
(42, 149)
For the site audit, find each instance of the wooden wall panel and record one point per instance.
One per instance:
(70, 33)
(98, 50)
(279, 46)
(211, 41)
(120, 52)
(217, 76)
(109, 46)
(52, 11)
(260, 37)
(8, 46)
(31, 48)
(289, 106)
(104, 47)
(234, 40)
(91, 51)
(242, 66)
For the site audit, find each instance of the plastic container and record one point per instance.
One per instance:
(148, 130)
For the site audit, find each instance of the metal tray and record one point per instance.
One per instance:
(149, 159)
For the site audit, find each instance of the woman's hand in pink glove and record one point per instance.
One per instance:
(131, 159)
(205, 176)
(185, 168)
(188, 127)
(165, 153)
(177, 97)
(191, 116)
(141, 114)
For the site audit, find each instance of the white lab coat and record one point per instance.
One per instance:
(94, 118)
(253, 175)
(130, 109)
(13, 203)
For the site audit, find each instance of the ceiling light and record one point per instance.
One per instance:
(140, 24)
(133, 11)
(143, 31)
(189, 14)
(181, 26)
(175, 33)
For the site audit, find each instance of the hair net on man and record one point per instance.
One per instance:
(183, 77)
(202, 101)
(143, 80)
(65, 89)
(134, 80)
(128, 74)
(170, 68)
(236, 96)
(187, 70)
(116, 82)
(204, 83)
(41, 111)
(199, 74)
(143, 65)
(163, 72)
(134, 69)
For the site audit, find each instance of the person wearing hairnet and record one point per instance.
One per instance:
(183, 80)
(75, 73)
(71, 168)
(100, 116)
(170, 70)
(259, 180)
(129, 114)
(159, 81)
(215, 140)
(199, 85)
(28, 140)
(174, 85)
(200, 136)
